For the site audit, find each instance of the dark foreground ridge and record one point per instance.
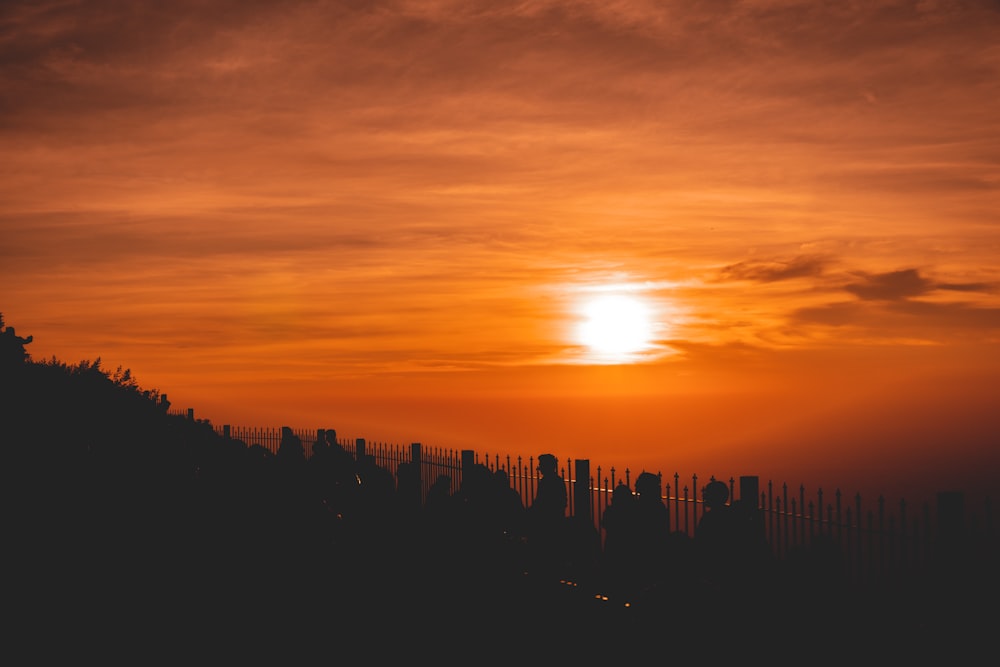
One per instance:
(138, 535)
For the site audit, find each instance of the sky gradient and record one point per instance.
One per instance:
(387, 218)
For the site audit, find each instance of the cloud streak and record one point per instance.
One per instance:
(349, 189)
(775, 270)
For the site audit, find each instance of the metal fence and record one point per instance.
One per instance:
(874, 543)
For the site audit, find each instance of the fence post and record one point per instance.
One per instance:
(359, 449)
(752, 507)
(951, 536)
(226, 433)
(417, 472)
(468, 460)
(750, 491)
(581, 490)
(191, 414)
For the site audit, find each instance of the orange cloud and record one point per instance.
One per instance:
(277, 203)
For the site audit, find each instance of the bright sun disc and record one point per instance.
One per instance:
(616, 325)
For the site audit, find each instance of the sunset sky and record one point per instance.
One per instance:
(389, 218)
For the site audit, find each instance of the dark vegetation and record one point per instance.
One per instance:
(134, 527)
(141, 534)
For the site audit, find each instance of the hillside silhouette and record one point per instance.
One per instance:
(131, 520)
(133, 525)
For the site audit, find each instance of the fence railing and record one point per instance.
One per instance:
(874, 544)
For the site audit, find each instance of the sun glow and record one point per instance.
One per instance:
(616, 327)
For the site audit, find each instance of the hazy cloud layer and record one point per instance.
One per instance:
(410, 184)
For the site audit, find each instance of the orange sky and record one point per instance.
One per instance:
(385, 218)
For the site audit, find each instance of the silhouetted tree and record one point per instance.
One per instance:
(12, 352)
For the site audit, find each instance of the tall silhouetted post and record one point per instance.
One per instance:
(750, 491)
(416, 456)
(468, 460)
(581, 491)
(951, 542)
(359, 449)
(418, 482)
(582, 548)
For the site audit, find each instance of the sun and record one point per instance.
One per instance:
(616, 326)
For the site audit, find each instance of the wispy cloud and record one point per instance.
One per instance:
(891, 286)
(767, 271)
(904, 284)
(903, 305)
(442, 174)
